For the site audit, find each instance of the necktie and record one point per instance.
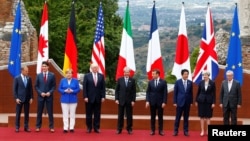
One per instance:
(44, 77)
(185, 84)
(126, 81)
(25, 81)
(155, 82)
(95, 81)
(229, 85)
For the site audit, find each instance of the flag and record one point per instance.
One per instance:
(70, 56)
(43, 48)
(154, 58)
(182, 60)
(126, 55)
(14, 65)
(98, 51)
(207, 59)
(234, 56)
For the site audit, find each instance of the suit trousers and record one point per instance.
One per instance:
(26, 106)
(153, 109)
(129, 116)
(179, 111)
(96, 109)
(49, 108)
(227, 111)
(69, 115)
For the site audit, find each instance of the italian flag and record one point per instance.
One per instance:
(126, 55)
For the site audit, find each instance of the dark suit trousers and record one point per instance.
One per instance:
(49, 108)
(129, 111)
(96, 109)
(26, 106)
(226, 113)
(179, 111)
(153, 109)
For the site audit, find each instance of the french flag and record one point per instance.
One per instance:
(154, 58)
(182, 60)
(207, 59)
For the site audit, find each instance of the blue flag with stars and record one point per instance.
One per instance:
(234, 56)
(14, 64)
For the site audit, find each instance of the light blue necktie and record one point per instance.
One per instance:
(25, 81)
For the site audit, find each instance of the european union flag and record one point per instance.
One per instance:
(234, 57)
(14, 65)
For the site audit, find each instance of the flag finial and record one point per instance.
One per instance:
(183, 2)
(127, 1)
(154, 1)
(236, 4)
(208, 3)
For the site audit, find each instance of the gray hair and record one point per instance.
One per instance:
(126, 69)
(229, 72)
(206, 72)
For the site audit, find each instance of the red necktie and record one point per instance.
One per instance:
(95, 79)
(44, 77)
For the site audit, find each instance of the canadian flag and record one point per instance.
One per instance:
(43, 48)
(182, 60)
(126, 56)
(154, 58)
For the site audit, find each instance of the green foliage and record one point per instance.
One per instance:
(170, 78)
(193, 57)
(86, 16)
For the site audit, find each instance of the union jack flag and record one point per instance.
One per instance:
(207, 59)
(98, 52)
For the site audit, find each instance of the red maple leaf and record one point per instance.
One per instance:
(42, 45)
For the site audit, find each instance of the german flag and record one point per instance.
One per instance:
(70, 56)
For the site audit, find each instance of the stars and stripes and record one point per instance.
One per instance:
(98, 51)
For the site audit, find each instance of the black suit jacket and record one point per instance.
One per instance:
(48, 86)
(232, 97)
(125, 93)
(208, 95)
(157, 95)
(91, 91)
(20, 91)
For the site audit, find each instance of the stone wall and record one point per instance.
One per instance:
(29, 34)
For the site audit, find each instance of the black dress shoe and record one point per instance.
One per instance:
(65, 131)
(175, 133)
(16, 130)
(71, 131)
(186, 134)
(152, 133)
(161, 133)
(97, 130)
(130, 132)
(118, 131)
(27, 130)
(88, 130)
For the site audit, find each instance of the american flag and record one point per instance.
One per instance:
(207, 59)
(98, 52)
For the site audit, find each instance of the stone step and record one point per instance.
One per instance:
(110, 122)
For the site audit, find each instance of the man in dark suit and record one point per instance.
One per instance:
(156, 98)
(45, 85)
(23, 94)
(183, 99)
(94, 95)
(125, 95)
(230, 98)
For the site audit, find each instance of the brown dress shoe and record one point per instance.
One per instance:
(52, 130)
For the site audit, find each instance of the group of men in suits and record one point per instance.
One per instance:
(45, 85)
(125, 97)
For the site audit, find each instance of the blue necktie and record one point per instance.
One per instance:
(25, 81)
